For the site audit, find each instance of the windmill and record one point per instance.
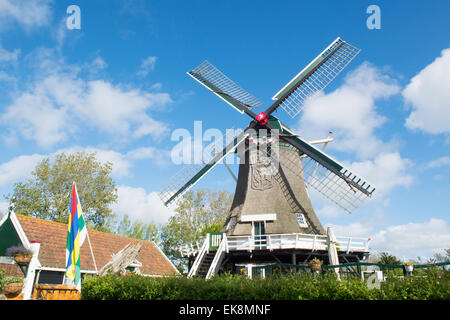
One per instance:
(271, 217)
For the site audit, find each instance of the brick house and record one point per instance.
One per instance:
(47, 240)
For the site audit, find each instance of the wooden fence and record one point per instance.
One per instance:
(58, 292)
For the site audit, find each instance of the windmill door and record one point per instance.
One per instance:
(259, 234)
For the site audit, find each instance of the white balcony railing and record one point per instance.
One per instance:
(285, 241)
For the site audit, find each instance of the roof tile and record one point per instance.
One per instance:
(53, 236)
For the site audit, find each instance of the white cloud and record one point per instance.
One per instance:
(350, 112)
(429, 96)
(329, 210)
(386, 171)
(413, 239)
(147, 65)
(121, 111)
(9, 138)
(409, 240)
(60, 103)
(18, 168)
(159, 156)
(98, 64)
(140, 205)
(122, 162)
(36, 117)
(27, 13)
(157, 86)
(7, 78)
(356, 229)
(440, 162)
(9, 56)
(4, 206)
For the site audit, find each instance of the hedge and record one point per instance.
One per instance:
(431, 285)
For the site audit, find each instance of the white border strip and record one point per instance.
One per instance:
(259, 217)
(20, 232)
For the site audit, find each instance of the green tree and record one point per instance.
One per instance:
(197, 213)
(47, 194)
(387, 258)
(439, 257)
(137, 229)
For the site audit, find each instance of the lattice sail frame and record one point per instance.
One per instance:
(316, 76)
(325, 181)
(222, 86)
(326, 175)
(191, 173)
(169, 189)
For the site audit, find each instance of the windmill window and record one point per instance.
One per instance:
(301, 220)
(259, 231)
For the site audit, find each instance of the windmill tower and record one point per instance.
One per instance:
(271, 218)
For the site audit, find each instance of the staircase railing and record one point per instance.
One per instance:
(199, 259)
(218, 257)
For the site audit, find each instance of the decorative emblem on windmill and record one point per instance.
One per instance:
(271, 195)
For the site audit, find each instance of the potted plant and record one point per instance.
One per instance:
(409, 267)
(315, 264)
(20, 254)
(12, 286)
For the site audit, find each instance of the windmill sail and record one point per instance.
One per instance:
(213, 79)
(189, 175)
(331, 185)
(314, 77)
(326, 175)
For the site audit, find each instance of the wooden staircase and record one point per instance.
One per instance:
(210, 256)
(205, 264)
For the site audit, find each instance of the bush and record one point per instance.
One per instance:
(2, 279)
(430, 284)
(301, 286)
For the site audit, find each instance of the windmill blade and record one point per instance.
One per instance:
(214, 80)
(189, 175)
(314, 77)
(325, 174)
(329, 184)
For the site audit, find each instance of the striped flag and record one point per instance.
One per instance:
(76, 234)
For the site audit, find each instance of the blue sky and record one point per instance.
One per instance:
(118, 86)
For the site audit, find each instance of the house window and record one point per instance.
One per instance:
(301, 220)
(50, 277)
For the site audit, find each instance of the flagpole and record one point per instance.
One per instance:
(87, 234)
(92, 252)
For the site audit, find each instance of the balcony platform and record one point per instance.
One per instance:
(298, 243)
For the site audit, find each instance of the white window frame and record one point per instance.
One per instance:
(253, 227)
(302, 221)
